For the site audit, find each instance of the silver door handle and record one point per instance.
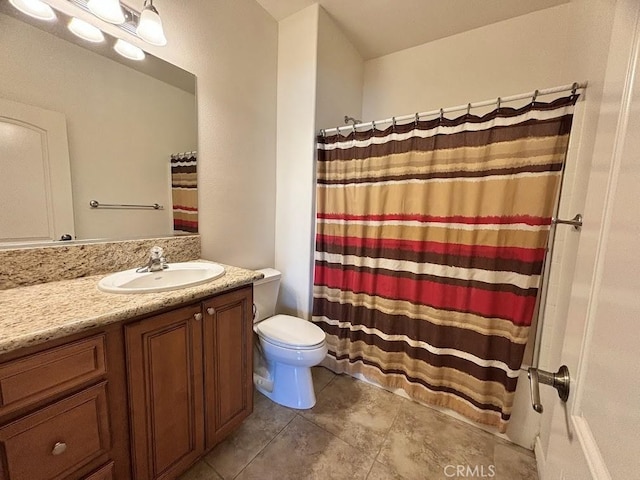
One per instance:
(559, 380)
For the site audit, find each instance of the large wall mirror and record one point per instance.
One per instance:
(123, 120)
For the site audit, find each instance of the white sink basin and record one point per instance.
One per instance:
(178, 275)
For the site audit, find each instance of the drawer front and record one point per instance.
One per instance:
(56, 440)
(103, 473)
(43, 375)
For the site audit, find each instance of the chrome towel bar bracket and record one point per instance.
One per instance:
(576, 221)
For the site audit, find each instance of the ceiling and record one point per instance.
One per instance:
(380, 27)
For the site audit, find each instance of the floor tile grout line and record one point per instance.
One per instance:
(328, 383)
(371, 467)
(336, 436)
(295, 414)
(386, 435)
(265, 446)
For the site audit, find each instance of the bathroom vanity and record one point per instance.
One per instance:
(104, 386)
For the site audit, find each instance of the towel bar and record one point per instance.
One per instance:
(96, 204)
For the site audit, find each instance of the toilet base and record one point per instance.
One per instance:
(292, 386)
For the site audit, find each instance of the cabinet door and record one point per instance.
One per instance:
(228, 368)
(164, 362)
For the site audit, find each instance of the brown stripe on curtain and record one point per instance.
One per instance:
(184, 191)
(429, 251)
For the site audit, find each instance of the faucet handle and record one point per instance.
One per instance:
(156, 252)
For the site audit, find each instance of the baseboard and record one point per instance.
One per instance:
(590, 450)
(541, 459)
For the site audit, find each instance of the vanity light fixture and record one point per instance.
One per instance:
(145, 25)
(150, 25)
(128, 51)
(85, 30)
(34, 8)
(108, 10)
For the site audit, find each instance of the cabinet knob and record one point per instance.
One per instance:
(197, 316)
(59, 448)
(211, 311)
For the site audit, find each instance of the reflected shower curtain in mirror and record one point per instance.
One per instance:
(184, 191)
(429, 250)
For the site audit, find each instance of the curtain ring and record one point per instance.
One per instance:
(338, 131)
(353, 128)
(323, 133)
(373, 125)
(441, 114)
(498, 102)
(417, 119)
(535, 95)
(468, 108)
(574, 87)
(393, 123)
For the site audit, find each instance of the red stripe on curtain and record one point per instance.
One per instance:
(184, 207)
(490, 304)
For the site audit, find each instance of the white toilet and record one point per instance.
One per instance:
(290, 345)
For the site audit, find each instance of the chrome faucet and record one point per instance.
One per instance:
(156, 262)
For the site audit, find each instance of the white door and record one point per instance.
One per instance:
(35, 180)
(597, 435)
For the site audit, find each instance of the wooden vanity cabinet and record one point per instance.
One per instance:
(140, 401)
(190, 381)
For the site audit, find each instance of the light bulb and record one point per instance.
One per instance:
(86, 31)
(34, 8)
(150, 25)
(128, 51)
(107, 10)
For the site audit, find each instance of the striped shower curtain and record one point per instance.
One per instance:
(184, 191)
(429, 250)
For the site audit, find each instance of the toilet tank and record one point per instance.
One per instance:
(265, 293)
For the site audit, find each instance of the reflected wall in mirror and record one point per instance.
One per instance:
(124, 121)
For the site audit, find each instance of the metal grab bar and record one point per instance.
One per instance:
(559, 380)
(576, 221)
(96, 204)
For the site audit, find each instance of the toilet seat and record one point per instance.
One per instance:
(290, 332)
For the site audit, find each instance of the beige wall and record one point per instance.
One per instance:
(297, 63)
(319, 82)
(232, 49)
(543, 49)
(514, 56)
(121, 125)
(592, 23)
(340, 76)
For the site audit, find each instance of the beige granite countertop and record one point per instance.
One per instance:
(38, 313)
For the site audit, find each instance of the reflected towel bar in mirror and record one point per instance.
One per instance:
(96, 204)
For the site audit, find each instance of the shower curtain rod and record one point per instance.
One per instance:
(415, 117)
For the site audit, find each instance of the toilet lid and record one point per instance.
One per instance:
(286, 330)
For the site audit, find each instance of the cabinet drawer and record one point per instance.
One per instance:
(43, 375)
(56, 440)
(103, 473)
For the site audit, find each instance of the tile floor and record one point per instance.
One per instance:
(358, 431)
